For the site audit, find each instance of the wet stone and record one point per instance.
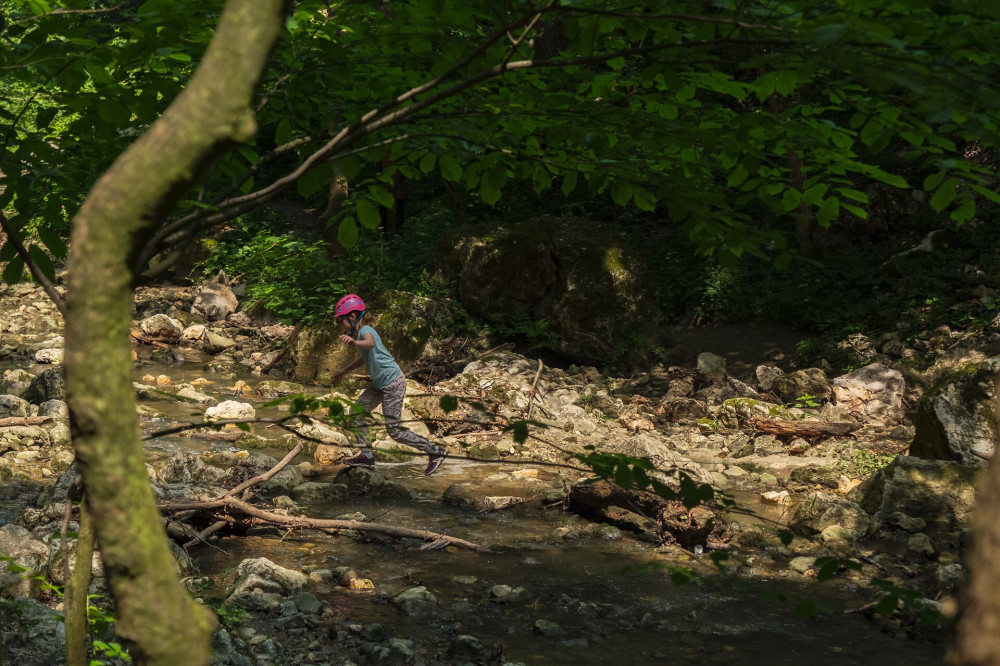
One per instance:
(548, 629)
(468, 648)
(415, 601)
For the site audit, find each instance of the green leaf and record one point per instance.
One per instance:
(520, 431)
(828, 211)
(368, 214)
(245, 427)
(52, 241)
(944, 195)
(42, 261)
(490, 194)
(382, 196)
(989, 194)
(965, 210)
(448, 404)
(790, 199)
(737, 176)
(347, 232)
(568, 183)
(451, 168)
(14, 271)
(283, 133)
(427, 162)
(786, 537)
(644, 199)
(44, 117)
(887, 604)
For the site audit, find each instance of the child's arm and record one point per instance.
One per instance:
(337, 374)
(367, 341)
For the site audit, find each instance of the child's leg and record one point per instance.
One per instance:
(368, 400)
(392, 408)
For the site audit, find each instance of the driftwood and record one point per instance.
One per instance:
(225, 509)
(806, 428)
(23, 420)
(218, 436)
(675, 523)
(150, 341)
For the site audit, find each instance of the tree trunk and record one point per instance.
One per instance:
(977, 642)
(157, 618)
(77, 587)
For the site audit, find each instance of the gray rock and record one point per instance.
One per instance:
(11, 405)
(215, 343)
(16, 381)
(939, 492)
(873, 393)
(908, 523)
(802, 564)
(465, 648)
(766, 375)
(307, 603)
(216, 299)
(415, 601)
(56, 409)
(284, 482)
(921, 544)
(162, 326)
(29, 555)
(548, 629)
(317, 492)
(230, 410)
(50, 356)
(955, 418)
(712, 365)
(261, 583)
(810, 381)
(821, 511)
(39, 631)
(362, 481)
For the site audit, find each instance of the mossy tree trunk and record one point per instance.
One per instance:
(156, 617)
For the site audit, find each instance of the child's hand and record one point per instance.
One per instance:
(347, 340)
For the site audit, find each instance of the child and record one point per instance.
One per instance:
(388, 386)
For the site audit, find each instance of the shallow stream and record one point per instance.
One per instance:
(607, 597)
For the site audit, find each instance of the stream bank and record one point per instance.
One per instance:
(557, 584)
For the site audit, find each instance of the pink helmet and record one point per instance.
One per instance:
(348, 304)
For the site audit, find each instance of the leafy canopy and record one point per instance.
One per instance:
(734, 119)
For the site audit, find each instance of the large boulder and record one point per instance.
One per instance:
(955, 417)
(578, 276)
(872, 393)
(810, 382)
(941, 493)
(216, 299)
(50, 385)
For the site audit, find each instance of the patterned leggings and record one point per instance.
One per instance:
(391, 399)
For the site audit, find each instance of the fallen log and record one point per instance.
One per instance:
(23, 420)
(230, 505)
(675, 523)
(805, 428)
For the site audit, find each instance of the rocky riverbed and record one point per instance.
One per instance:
(824, 457)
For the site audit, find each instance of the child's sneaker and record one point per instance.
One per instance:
(363, 459)
(434, 460)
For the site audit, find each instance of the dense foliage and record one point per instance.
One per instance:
(737, 121)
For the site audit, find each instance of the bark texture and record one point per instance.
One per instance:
(977, 642)
(157, 618)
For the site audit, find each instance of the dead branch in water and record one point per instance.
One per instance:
(230, 506)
